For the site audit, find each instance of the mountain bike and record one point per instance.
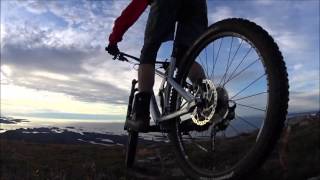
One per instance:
(225, 126)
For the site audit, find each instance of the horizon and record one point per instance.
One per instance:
(53, 63)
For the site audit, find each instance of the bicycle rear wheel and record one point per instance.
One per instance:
(245, 67)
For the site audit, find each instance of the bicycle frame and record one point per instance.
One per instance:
(166, 77)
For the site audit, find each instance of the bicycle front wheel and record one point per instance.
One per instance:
(131, 148)
(246, 68)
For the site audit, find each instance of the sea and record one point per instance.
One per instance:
(77, 126)
(116, 127)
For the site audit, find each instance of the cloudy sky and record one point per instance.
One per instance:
(53, 63)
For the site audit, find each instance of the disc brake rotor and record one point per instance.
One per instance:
(202, 114)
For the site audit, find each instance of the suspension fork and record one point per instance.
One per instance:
(131, 96)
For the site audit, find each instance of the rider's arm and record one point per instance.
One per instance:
(127, 18)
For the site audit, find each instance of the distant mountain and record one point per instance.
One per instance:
(56, 135)
(294, 114)
(10, 120)
(296, 118)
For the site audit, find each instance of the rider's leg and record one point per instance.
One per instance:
(192, 22)
(196, 73)
(141, 113)
(141, 105)
(146, 77)
(160, 28)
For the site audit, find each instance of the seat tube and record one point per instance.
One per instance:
(172, 66)
(170, 74)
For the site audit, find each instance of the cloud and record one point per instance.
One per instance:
(66, 60)
(36, 7)
(220, 13)
(78, 87)
(2, 35)
(289, 41)
(58, 45)
(301, 80)
(264, 2)
(297, 66)
(5, 74)
(51, 60)
(51, 75)
(46, 59)
(294, 26)
(304, 101)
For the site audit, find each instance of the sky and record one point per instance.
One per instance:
(53, 63)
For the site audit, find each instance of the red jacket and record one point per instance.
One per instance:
(127, 18)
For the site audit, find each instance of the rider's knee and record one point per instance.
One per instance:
(149, 53)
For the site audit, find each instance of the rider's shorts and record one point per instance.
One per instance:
(191, 18)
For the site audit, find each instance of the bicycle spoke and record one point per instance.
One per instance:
(232, 60)
(233, 77)
(249, 96)
(207, 72)
(248, 85)
(234, 129)
(235, 65)
(200, 60)
(234, 55)
(217, 56)
(227, 67)
(213, 139)
(202, 64)
(224, 134)
(197, 144)
(246, 121)
(251, 107)
(212, 70)
(240, 62)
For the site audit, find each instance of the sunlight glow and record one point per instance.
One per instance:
(6, 70)
(3, 34)
(15, 99)
(51, 75)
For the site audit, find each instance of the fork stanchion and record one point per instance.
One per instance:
(129, 109)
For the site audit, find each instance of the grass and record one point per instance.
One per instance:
(57, 161)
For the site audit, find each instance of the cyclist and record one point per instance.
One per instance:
(186, 18)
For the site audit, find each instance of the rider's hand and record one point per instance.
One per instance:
(113, 49)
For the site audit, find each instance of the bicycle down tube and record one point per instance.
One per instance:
(168, 77)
